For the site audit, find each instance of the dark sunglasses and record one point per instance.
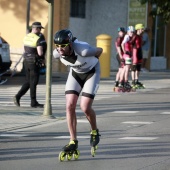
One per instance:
(61, 45)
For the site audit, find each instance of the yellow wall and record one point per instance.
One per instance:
(13, 21)
(13, 17)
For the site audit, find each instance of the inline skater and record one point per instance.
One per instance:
(137, 56)
(119, 55)
(84, 76)
(127, 49)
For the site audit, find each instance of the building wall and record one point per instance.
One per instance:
(13, 23)
(101, 18)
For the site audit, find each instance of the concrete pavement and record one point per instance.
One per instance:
(13, 118)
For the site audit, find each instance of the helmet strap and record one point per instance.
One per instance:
(70, 50)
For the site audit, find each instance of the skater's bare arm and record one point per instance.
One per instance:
(119, 52)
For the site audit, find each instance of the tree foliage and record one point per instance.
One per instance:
(159, 7)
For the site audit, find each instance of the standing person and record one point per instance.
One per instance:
(119, 55)
(137, 56)
(84, 76)
(33, 51)
(145, 48)
(127, 49)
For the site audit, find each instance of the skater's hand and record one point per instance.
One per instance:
(122, 60)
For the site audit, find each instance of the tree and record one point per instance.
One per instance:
(159, 7)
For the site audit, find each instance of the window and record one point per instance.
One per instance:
(78, 8)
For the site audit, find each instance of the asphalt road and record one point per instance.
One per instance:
(134, 130)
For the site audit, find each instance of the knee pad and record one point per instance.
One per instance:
(134, 67)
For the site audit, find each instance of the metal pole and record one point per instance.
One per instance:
(28, 16)
(48, 107)
(165, 33)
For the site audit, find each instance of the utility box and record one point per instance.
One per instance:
(104, 41)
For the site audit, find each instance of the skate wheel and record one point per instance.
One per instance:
(61, 156)
(69, 156)
(93, 150)
(116, 89)
(123, 90)
(76, 154)
(119, 90)
(133, 89)
(128, 90)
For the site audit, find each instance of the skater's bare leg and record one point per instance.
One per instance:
(122, 74)
(71, 101)
(119, 74)
(86, 107)
(127, 68)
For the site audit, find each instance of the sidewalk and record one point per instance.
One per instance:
(14, 118)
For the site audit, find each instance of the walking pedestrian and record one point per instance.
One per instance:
(84, 76)
(33, 51)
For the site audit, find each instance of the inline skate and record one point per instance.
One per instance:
(116, 86)
(139, 85)
(94, 140)
(69, 151)
(119, 88)
(128, 87)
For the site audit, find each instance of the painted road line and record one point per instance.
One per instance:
(125, 112)
(139, 138)
(165, 113)
(68, 137)
(82, 121)
(137, 123)
(12, 135)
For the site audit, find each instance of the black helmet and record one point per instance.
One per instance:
(121, 29)
(63, 37)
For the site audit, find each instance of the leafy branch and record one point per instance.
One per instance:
(159, 7)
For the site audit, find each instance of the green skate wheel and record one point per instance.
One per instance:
(93, 150)
(76, 154)
(61, 156)
(69, 156)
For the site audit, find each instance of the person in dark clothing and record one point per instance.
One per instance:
(34, 50)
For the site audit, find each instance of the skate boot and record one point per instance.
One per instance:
(94, 140)
(139, 85)
(133, 85)
(121, 87)
(69, 151)
(116, 85)
(127, 87)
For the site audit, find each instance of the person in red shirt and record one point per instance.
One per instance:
(119, 55)
(137, 56)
